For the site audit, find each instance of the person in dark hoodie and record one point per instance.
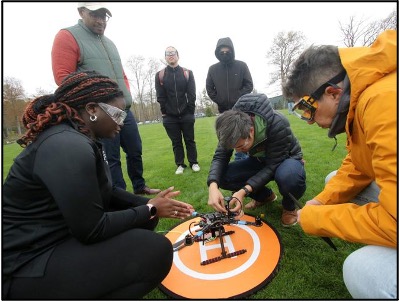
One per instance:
(228, 79)
(176, 93)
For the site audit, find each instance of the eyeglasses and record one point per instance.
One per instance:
(98, 15)
(306, 107)
(170, 53)
(224, 52)
(116, 114)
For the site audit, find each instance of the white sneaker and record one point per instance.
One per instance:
(179, 170)
(196, 168)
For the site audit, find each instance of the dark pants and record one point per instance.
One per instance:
(127, 266)
(130, 141)
(177, 127)
(290, 177)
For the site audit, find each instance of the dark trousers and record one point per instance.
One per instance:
(130, 141)
(127, 266)
(177, 127)
(290, 177)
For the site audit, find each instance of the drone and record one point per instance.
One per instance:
(212, 227)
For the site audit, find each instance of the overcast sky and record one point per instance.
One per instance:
(147, 28)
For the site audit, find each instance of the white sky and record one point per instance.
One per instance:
(145, 28)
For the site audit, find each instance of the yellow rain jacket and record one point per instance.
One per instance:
(371, 129)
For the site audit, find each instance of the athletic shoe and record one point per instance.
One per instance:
(179, 170)
(196, 168)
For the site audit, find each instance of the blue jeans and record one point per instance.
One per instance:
(290, 107)
(178, 127)
(130, 141)
(290, 177)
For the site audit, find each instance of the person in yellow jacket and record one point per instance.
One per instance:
(354, 90)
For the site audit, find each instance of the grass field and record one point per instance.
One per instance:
(309, 268)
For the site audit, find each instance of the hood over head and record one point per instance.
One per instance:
(224, 42)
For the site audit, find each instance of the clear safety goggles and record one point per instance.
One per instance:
(116, 114)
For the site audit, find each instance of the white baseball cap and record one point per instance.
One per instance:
(94, 6)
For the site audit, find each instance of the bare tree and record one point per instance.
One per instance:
(140, 81)
(206, 105)
(153, 67)
(359, 32)
(13, 104)
(285, 49)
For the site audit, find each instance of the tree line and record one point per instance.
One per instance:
(285, 49)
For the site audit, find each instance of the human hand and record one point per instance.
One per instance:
(167, 207)
(216, 199)
(311, 202)
(237, 201)
(169, 193)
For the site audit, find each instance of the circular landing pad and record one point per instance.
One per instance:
(259, 253)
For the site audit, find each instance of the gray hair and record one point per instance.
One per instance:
(231, 126)
(315, 66)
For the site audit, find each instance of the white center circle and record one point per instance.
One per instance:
(256, 251)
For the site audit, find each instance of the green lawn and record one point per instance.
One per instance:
(309, 268)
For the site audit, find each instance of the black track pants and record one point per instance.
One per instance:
(127, 266)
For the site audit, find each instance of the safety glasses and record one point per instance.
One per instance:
(306, 107)
(116, 114)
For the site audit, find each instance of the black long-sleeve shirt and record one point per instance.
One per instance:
(58, 187)
(177, 95)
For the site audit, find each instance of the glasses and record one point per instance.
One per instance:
(170, 53)
(306, 107)
(116, 114)
(99, 16)
(224, 52)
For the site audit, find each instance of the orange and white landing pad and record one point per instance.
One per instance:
(235, 277)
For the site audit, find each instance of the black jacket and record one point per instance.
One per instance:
(60, 187)
(177, 95)
(280, 143)
(226, 82)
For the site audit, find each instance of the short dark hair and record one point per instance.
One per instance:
(231, 126)
(315, 66)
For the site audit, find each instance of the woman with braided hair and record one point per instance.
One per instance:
(67, 233)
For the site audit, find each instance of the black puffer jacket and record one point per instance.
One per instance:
(177, 95)
(227, 81)
(279, 145)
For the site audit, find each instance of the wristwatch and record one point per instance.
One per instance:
(246, 190)
(152, 210)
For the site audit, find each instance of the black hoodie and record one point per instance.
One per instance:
(229, 79)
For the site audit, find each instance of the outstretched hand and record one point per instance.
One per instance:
(312, 202)
(167, 207)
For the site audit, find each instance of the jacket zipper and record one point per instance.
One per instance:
(176, 94)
